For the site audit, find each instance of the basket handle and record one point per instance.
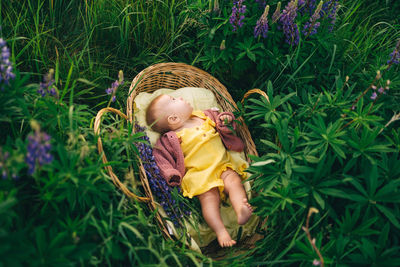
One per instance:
(114, 177)
(253, 91)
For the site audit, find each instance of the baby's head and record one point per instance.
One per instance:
(167, 113)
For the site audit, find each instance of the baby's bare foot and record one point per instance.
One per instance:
(224, 239)
(245, 212)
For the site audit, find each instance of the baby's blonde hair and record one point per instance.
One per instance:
(154, 118)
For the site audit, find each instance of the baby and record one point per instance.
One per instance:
(192, 153)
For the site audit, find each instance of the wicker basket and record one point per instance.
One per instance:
(172, 76)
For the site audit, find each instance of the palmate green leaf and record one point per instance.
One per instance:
(389, 214)
(270, 144)
(302, 169)
(383, 237)
(322, 137)
(389, 192)
(319, 199)
(339, 193)
(358, 186)
(338, 151)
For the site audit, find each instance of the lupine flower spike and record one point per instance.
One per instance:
(38, 149)
(6, 69)
(114, 86)
(158, 185)
(8, 166)
(329, 9)
(394, 56)
(332, 14)
(308, 6)
(222, 45)
(261, 3)
(262, 24)
(311, 26)
(46, 87)
(372, 85)
(237, 17)
(287, 20)
(277, 13)
(378, 92)
(3, 166)
(216, 6)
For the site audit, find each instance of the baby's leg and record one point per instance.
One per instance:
(210, 207)
(237, 195)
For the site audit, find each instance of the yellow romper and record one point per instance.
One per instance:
(205, 158)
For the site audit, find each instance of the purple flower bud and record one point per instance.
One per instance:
(316, 263)
(114, 86)
(6, 70)
(261, 3)
(262, 24)
(394, 56)
(237, 16)
(38, 151)
(277, 13)
(311, 26)
(109, 91)
(46, 87)
(374, 95)
(287, 22)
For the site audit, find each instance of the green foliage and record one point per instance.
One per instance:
(320, 160)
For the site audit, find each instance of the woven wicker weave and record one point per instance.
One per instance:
(172, 76)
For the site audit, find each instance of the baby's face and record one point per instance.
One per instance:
(171, 105)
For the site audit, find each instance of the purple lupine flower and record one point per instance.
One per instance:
(325, 8)
(311, 26)
(262, 24)
(38, 149)
(3, 165)
(114, 86)
(329, 8)
(316, 262)
(158, 185)
(47, 86)
(300, 4)
(261, 3)
(277, 13)
(288, 24)
(237, 16)
(8, 166)
(332, 14)
(381, 91)
(6, 70)
(394, 56)
(306, 6)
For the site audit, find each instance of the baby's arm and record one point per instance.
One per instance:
(169, 158)
(230, 140)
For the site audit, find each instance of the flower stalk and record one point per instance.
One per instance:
(306, 229)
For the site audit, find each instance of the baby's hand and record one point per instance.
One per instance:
(226, 119)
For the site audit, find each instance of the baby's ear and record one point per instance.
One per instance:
(173, 119)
